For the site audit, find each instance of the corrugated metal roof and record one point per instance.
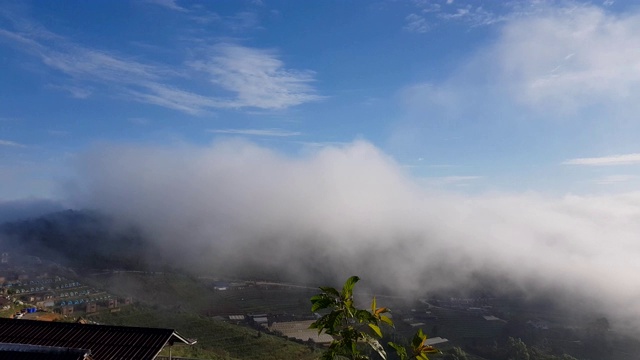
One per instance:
(22, 355)
(105, 342)
(37, 352)
(435, 341)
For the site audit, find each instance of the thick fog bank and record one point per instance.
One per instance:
(353, 210)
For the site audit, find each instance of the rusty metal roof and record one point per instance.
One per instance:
(105, 342)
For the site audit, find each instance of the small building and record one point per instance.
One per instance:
(91, 307)
(236, 318)
(46, 304)
(67, 310)
(435, 341)
(112, 304)
(261, 320)
(101, 342)
(221, 285)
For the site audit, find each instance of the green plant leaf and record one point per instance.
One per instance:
(387, 320)
(352, 327)
(376, 329)
(347, 289)
(400, 350)
(418, 341)
(365, 316)
(330, 291)
(320, 304)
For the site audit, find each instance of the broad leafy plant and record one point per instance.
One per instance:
(354, 329)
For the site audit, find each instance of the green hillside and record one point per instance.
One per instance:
(216, 339)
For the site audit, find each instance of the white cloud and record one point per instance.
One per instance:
(257, 77)
(615, 179)
(242, 21)
(416, 23)
(348, 209)
(570, 57)
(174, 98)
(454, 180)
(256, 132)
(556, 61)
(321, 144)
(473, 15)
(169, 4)
(469, 13)
(11, 143)
(252, 77)
(623, 159)
(75, 91)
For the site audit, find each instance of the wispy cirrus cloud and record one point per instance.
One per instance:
(256, 132)
(429, 14)
(241, 21)
(74, 91)
(615, 179)
(257, 77)
(623, 159)
(9, 143)
(174, 98)
(473, 15)
(416, 24)
(169, 4)
(242, 77)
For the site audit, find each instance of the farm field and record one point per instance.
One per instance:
(187, 293)
(217, 340)
(195, 308)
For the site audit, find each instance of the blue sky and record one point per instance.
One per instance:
(502, 135)
(466, 96)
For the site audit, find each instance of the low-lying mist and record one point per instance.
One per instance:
(339, 211)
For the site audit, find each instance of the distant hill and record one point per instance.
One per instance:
(81, 239)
